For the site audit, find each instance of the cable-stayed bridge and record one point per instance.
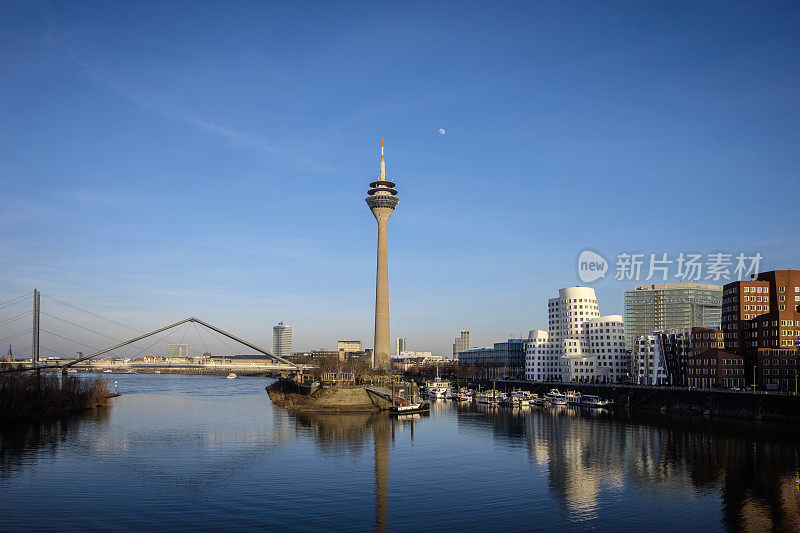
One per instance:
(37, 354)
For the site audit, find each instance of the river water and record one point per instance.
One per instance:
(207, 453)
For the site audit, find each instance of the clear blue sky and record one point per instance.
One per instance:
(166, 159)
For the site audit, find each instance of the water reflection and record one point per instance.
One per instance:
(338, 434)
(24, 444)
(349, 434)
(754, 466)
(226, 455)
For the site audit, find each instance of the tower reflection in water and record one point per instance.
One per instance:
(349, 433)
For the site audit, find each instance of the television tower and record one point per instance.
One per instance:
(382, 200)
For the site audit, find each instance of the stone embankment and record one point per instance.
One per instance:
(758, 406)
(291, 395)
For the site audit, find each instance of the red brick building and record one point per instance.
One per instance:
(708, 365)
(761, 322)
(715, 368)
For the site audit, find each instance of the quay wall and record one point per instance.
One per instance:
(755, 405)
(313, 398)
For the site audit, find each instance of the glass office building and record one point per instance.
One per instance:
(506, 360)
(662, 306)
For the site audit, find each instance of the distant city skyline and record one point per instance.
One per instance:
(216, 168)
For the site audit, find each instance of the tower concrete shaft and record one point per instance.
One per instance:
(381, 347)
(35, 340)
(382, 201)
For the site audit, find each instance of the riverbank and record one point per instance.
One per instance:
(290, 395)
(36, 396)
(774, 407)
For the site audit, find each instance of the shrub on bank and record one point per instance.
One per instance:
(31, 394)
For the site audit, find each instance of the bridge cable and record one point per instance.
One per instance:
(184, 335)
(14, 336)
(221, 338)
(15, 318)
(13, 301)
(62, 302)
(83, 327)
(57, 352)
(156, 342)
(24, 351)
(201, 337)
(71, 340)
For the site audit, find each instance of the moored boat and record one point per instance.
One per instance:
(437, 393)
(588, 400)
(461, 395)
(573, 397)
(464, 395)
(410, 409)
(519, 398)
(506, 401)
(556, 397)
(438, 387)
(489, 396)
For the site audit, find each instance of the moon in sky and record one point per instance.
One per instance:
(441, 131)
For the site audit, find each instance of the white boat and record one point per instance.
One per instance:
(489, 396)
(573, 397)
(231, 376)
(519, 399)
(410, 408)
(437, 393)
(589, 400)
(438, 387)
(454, 394)
(463, 395)
(107, 371)
(506, 401)
(555, 397)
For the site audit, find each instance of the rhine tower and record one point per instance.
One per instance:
(382, 200)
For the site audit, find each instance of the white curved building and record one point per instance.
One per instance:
(540, 363)
(607, 342)
(579, 345)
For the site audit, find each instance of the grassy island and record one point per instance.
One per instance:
(36, 395)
